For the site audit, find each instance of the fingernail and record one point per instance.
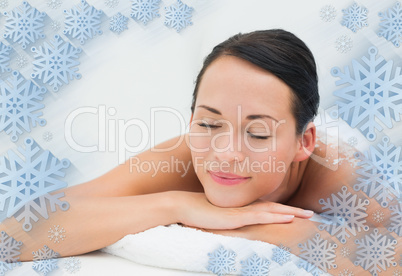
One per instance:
(308, 212)
(288, 217)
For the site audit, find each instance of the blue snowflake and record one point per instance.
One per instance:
(55, 62)
(375, 252)
(45, 260)
(354, 17)
(380, 168)
(83, 22)
(54, 4)
(9, 251)
(20, 101)
(72, 265)
(396, 219)
(391, 24)
(111, 3)
(4, 58)
(281, 254)
(3, 4)
(255, 265)
(178, 16)
(318, 255)
(348, 212)
(26, 183)
(118, 23)
(371, 94)
(289, 273)
(24, 24)
(328, 13)
(221, 261)
(145, 10)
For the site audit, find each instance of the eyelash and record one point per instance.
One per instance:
(251, 135)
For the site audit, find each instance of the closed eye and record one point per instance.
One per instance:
(262, 137)
(208, 126)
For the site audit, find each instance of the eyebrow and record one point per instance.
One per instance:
(249, 117)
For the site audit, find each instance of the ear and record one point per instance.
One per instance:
(306, 143)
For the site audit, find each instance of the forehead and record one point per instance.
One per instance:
(230, 81)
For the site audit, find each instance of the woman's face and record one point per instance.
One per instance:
(242, 134)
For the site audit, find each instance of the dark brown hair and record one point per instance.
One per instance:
(282, 54)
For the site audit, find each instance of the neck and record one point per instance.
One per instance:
(289, 185)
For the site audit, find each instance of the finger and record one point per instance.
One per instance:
(267, 218)
(284, 209)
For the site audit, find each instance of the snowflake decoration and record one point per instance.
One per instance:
(47, 136)
(346, 272)
(281, 254)
(22, 61)
(328, 13)
(347, 212)
(72, 265)
(371, 93)
(83, 22)
(55, 25)
(20, 101)
(118, 23)
(343, 44)
(9, 251)
(111, 3)
(380, 168)
(391, 24)
(397, 273)
(26, 183)
(45, 260)
(375, 252)
(345, 252)
(55, 62)
(56, 234)
(352, 141)
(221, 261)
(54, 4)
(24, 24)
(396, 219)
(255, 265)
(318, 255)
(145, 10)
(354, 17)
(3, 4)
(289, 273)
(178, 16)
(378, 216)
(4, 58)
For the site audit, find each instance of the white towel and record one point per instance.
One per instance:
(184, 248)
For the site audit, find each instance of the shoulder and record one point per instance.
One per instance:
(330, 166)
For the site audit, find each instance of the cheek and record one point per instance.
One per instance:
(199, 146)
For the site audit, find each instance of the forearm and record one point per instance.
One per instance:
(92, 223)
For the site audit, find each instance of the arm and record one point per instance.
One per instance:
(92, 223)
(127, 179)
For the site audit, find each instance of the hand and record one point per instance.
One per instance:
(194, 209)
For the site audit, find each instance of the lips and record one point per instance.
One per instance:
(227, 178)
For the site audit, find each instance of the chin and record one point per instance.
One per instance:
(226, 202)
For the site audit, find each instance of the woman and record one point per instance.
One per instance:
(251, 144)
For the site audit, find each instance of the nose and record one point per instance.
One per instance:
(228, 148)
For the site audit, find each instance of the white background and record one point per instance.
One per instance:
(154, 66)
